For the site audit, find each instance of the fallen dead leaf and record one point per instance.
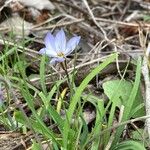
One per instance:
(38, 4)
(89, 115)
(17, 25)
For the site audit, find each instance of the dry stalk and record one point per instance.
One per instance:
(94, 20)
(125, 123)
(145, 72)
(58, 25)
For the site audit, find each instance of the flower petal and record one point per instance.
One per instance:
(50, 41)
(148, 50)
(71, 45)
(60, 41)
(55, 60)
(42, 51)
(47, 52)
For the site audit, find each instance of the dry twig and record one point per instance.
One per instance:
(94, 20)
(145, 72)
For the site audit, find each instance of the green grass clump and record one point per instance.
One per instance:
(72, 129)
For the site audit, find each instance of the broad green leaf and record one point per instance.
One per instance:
(123, 93)
(130, 101)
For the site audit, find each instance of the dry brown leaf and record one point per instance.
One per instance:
(38, 4)
(17, 25)
(89, 115)
(128, 31)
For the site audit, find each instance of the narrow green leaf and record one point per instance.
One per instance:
(29, 99)
(129, 145)
(35, 145)
(128, 106)
(98, 125)
(19, 116)
(84, 133)
(53, 113)
(77, 96)
(42, 74)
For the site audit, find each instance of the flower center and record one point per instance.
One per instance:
(60, 54)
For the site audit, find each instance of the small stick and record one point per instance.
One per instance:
(145, 72)
(64, 67)
(94, 20)
(124, 123)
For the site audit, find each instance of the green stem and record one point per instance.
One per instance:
(64, 67)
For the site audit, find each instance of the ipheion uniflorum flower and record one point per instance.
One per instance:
(58, 47)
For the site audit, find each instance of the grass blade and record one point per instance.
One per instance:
(77, 96)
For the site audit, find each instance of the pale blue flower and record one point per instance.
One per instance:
(148, 50)
(58, 47)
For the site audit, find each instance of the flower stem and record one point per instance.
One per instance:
(64, 67)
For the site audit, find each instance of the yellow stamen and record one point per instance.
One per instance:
(60, 54)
